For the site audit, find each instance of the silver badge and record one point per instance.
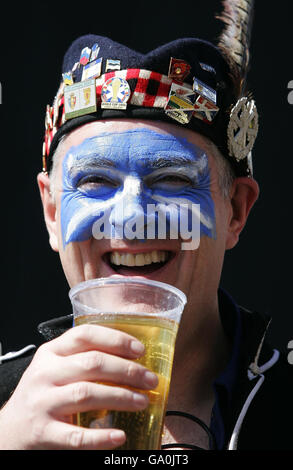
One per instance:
(242, 129)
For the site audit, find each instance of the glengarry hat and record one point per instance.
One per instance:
(189, 82)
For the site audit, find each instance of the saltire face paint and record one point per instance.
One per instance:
(119, 184)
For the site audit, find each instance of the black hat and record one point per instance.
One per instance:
(189, 82)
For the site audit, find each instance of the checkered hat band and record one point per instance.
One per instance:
(148, 88)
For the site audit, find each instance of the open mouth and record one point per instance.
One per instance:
(129, 264)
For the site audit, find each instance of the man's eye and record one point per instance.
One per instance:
(171, 181)
(95, 182)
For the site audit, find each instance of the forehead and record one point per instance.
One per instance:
(133, 142)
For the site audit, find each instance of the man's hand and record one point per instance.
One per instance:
(60, 382)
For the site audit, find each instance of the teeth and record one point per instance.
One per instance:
(129, 260)
(147, 258)
(116, 258)
(155, 257)
(139, 259)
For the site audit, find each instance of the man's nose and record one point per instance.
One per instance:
(131, 205)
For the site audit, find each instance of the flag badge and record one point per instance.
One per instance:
(92, 69)
(112, 64)
(85, 56)
(180, 103)
(95, 52)
(204, 90)
(204, 109)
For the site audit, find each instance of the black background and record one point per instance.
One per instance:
(34, 38)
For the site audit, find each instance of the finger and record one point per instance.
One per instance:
(63, 436)
(87, 396)
(87, 337)
(100, 367)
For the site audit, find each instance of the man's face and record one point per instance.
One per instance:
(117, 170)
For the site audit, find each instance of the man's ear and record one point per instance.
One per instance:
(244, 193)
(49, 208)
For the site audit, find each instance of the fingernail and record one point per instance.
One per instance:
(140, 399)
(117, 436)
(137, 347)
(150, 379)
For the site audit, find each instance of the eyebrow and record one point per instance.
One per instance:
(183, 163)
(92, 161)
(95, 161)
(166, 162)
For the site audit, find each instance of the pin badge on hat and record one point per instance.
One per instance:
(180, 105)
(48, 117)
(242, 128)
(115, 93)
(92, 69)
(178, 115)
(80, 99)
(207, 68)
(75, 67)
(85, 55)
(178, 69)
(179, 102)
(206, 103)
(204, 90)
(183, 90)
(95, 52)
(204, 109)
(67, 78)
(112, 64)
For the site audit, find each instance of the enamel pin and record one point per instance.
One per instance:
(92, 69)
(207, 68)
(85, 56)
(178, 69)
(80, 99)
(75, 67)
(181, 116)
(115, 93)
(183, 90)
(112, 64)
(180, 105)
(95, 52)
(204, 109)
(179, 102)
(181, 98)
(67, 78)
(204, 90)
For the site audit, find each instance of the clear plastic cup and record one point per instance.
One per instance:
(151, 312)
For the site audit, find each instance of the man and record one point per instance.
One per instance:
(174, 126)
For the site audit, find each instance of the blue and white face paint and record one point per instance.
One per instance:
(123, 185)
